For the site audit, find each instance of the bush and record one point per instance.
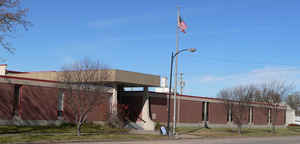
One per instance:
(114, 121)
(120, 119)
(67, 125)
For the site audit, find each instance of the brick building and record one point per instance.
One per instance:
(33, 98)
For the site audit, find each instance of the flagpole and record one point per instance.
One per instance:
(176, 70)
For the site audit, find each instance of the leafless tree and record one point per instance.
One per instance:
(293, 100)
(11, 16)
(237, 101)
(83, 84)
(272, 94)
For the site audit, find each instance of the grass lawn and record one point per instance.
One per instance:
(246, 132)
(66, 133)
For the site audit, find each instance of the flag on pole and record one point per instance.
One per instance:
(181, 25)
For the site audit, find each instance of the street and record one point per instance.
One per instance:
(263, 140)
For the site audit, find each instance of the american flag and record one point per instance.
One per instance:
(181, 24)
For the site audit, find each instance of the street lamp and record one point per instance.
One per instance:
(170, 86)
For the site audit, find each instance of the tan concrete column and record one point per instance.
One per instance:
(114, 100)
(251, 115)
(147, 124)
(205, 111)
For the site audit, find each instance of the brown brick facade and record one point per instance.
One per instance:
(260, 116)
(217, 114)
(190, 111)
(6, 101)
(39, 103)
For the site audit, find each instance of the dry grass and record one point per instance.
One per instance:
(66, 133)
(246, 132)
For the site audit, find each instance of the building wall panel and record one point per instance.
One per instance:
(259, 116)
(280, 120)
(159, 109)
(6, 101)
(217, 114)
(190, 111)
(39, 103)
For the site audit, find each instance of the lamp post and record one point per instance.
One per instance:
(170, 85)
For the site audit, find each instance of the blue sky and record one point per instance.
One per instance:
(238, 42)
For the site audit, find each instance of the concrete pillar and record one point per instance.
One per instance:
(114, 100)
(229, 115)
(205, 111)
(147, 123)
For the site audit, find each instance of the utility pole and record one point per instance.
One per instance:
(176, 69)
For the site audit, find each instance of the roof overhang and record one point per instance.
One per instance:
(114, 77)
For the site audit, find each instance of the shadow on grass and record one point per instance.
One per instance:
(33, 129)
(65, 128)
(190, 130)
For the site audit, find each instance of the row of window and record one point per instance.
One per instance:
(17, 101)
(205, 114)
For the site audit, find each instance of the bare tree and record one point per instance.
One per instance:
(237, 101)
(11, 16)
(272, 94)
(293, 100)
(83, 84)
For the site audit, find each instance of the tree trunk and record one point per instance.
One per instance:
(239, 129)
(273, 128)
(78, 129)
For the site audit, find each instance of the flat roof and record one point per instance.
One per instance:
(114, 77)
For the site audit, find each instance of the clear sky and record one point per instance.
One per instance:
(238, 41)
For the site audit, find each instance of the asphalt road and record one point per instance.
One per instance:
(265, 140)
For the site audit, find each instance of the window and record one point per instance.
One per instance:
(284, 116)
(60, 106)
(17, 100)
(207, 110)
(203, 113)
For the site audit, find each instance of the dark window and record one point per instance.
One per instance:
(249, 115)
(284, 116)
(229, 112)
(60, 106)
(207, 111)
(16, 105)
(271, 115)
(203, 107)
(252, 118)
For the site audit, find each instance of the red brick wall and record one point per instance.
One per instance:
(190, 111)
(99, 113)
(39, 103)
(217, 113)
(159, 108)
(259, 116)
(280, 117)
(6, 101)
(240, 113)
